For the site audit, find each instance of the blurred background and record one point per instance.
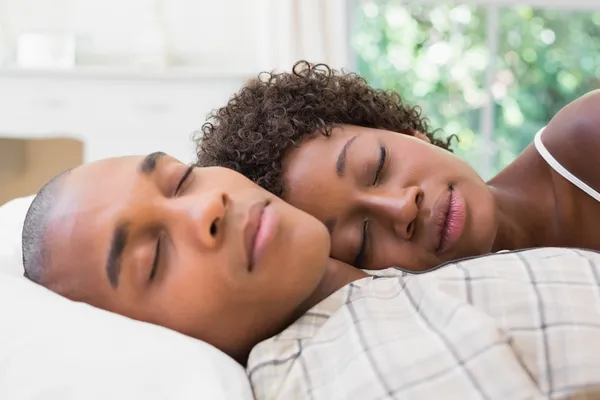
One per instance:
(82, 80)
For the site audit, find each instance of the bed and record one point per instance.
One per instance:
(512, 325)
(53, 348)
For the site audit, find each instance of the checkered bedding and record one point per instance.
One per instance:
(516, 325)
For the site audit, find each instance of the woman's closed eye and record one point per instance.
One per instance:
(380, 165)
(155, 263)
(362, 255)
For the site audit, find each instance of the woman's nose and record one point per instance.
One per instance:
(398, 210)
(203, 217)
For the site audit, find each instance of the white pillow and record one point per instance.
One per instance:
(12, 215)
(53, 348)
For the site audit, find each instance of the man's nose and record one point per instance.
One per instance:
(202, 217)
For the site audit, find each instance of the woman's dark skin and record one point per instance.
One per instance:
(527, 204)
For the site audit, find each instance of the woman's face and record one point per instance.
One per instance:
(203, 251)
(390, 199)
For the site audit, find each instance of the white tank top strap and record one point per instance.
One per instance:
(555, 165)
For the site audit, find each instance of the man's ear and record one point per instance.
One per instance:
(421, 136)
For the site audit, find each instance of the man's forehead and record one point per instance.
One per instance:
(103, 166)
(74, 254)
(100, 180)
(85, 208)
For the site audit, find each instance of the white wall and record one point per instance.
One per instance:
(107, 104)
(113, 107)
(111, 115)
(213, 34)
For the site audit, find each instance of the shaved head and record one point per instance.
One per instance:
(197, 250)
(34, 240)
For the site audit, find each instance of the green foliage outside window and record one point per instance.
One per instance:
(435, 55)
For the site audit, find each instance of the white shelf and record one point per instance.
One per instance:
(175, 73)
(114, 112)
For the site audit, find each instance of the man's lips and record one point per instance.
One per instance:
(251, 230)
(260, 229)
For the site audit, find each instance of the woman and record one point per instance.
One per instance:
(202, 251)
(368, 166)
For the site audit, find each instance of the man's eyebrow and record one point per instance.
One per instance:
(117, 247)
(340, 165)
(148, 164)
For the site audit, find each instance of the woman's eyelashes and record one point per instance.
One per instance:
(361, 256)
(380, 165)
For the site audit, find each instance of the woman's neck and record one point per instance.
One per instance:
(524, 217)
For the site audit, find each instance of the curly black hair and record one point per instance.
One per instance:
(275, 111)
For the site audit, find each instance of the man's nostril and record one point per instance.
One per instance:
(419, 199)
(214, 227)
(409, 228)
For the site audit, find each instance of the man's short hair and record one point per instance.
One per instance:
(34, 240)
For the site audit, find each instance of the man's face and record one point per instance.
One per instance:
(203, 251)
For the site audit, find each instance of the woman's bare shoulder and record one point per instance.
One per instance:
(573, 138)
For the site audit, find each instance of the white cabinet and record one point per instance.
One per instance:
(113, 113)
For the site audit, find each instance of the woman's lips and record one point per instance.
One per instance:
(447, 220)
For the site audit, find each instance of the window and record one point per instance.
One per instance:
(493, 75)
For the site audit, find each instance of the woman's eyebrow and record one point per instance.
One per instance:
(148, 164)
(340, 165)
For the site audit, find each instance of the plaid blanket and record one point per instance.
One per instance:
(516, 325)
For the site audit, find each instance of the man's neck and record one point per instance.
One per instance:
(337, 275)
